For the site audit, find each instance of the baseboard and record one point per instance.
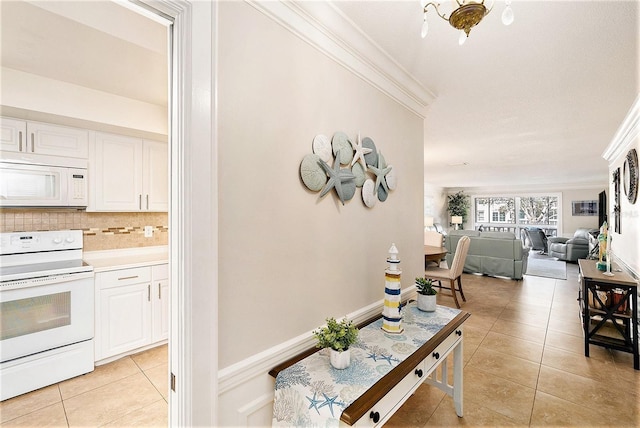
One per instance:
(246, 388)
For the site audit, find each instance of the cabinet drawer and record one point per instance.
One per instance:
(160, 272)
(384, 408)
(442, 350)
(117, 278)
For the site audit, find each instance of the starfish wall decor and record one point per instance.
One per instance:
(364, 167)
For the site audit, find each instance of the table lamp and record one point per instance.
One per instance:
(428, 223)
(457, 221)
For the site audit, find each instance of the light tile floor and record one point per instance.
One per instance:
(524, 366)
(131, 391)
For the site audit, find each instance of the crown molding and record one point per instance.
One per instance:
(326, 28)
(528, 189)
(626, 134)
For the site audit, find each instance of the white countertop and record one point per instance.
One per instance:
(103, 261)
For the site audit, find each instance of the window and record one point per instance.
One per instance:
(532, 211)
(539, 210)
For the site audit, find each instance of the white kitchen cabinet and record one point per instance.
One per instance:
(160, 312)
(132, 309)
(44, 139)
(155, 180)
(129, 174)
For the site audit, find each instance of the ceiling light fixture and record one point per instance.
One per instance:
(465, 16)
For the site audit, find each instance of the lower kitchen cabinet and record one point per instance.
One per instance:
(160, 312)
(132, 309)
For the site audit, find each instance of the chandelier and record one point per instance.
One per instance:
(467, 15)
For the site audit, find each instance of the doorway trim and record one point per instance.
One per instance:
(193, 215)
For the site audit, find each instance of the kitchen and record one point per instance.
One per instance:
(67, 90)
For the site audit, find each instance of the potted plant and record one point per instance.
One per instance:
(426, 294)
(337, 336)
(457, 205)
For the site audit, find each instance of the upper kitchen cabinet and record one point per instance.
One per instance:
(155, 178)
(128, 174)
(21, 136)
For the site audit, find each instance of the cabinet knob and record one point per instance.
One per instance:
(436, 355)
(375, 416)
(418, 372)
(458, 332)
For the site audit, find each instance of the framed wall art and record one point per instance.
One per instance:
(584, 208)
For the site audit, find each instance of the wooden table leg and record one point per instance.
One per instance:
(457, 378)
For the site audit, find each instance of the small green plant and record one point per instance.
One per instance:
(425, 286)
(336, 335)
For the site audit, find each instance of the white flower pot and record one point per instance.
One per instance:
(340, 360)
(427, 303)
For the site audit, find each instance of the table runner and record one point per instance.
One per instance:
(312, 393)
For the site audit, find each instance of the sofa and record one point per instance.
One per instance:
(571, 249)
(490, 253)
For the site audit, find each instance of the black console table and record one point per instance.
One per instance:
(609, 303)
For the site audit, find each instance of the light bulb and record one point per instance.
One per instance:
(425, 27)
(463, 38)
(507, 15)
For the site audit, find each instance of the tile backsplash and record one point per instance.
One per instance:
(101, 231)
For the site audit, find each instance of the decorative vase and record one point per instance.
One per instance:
(427, 303)
(340, 359)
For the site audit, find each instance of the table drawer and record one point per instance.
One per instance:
(385, 408)
(117, 278)
(441, 352)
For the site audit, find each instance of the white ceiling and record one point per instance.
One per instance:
(96, 44)
(535, 103)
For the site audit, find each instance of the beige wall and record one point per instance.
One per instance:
(287, 259)
(570, 222)
(101, 231)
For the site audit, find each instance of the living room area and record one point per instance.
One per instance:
(534, 221)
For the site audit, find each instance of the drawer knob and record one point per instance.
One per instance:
(375, 416)
(418, 372)
(458, 332)
(436, 355)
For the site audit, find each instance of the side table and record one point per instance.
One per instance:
(609, 301)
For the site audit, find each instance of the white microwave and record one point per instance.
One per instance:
(33, 185)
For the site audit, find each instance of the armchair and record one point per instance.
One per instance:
(536, 239)
(570, 249)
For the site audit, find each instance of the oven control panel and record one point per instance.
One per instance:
(29, 242)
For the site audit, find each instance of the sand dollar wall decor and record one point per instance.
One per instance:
(343, 165)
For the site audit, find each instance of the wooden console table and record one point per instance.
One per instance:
(609, 301)
(365, 397)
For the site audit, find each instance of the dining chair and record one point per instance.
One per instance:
(454, 273)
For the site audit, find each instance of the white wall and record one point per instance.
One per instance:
(435, 204)
(26, 92)
(625, 245)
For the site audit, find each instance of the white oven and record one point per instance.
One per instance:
(46, 310)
